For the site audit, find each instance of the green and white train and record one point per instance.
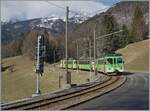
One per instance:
(107, 64)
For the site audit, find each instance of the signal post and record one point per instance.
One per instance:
(40, 53)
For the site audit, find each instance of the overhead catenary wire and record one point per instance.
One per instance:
(58, 6)
(103, 36)
(80, 13)
(100, 37)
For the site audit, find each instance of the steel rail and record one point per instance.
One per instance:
(62, 103)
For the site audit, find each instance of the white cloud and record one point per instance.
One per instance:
(35, 9)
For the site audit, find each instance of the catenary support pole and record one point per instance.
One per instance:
(90, 60)
(94, 53)
(66, 43)
(68, 77)
(77, 58)
(54, 58)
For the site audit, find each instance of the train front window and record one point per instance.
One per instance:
(110, 60)
(119, 60)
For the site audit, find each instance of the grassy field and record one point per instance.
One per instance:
(136, 56)
(21, 83)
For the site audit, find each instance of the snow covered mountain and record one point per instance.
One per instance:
(50, 22)
(55, 25)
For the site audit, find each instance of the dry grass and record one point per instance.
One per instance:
(21, 83)
(136, 56)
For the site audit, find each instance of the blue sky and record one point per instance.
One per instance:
(108, 2)
(23, 10)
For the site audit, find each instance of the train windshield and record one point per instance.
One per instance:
(119, 60)
(110, 60)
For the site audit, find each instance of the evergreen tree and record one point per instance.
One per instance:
(49, 49)
(124, 37)
(51, 46)
(138, 26)
(110, 25)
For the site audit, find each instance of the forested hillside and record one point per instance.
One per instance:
(133, 22)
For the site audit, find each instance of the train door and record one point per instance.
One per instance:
(100, 65)
(64, 63)
(104, 62)
(93, 67)
(74, 64)
(109, 64)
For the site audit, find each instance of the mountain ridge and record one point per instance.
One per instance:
(56, 25)
(122, 12)
(106, 22)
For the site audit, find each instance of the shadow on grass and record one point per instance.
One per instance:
(9, 67)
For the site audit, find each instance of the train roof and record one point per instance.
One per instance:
(108, 55)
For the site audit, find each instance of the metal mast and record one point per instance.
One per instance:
(94, 53)
(66, 43)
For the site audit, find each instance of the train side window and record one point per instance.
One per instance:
(110, 60)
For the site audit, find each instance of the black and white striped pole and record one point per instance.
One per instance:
(40, 53)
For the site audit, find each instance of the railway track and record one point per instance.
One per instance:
(65, 100)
